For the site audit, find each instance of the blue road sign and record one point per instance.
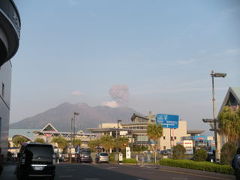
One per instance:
(167, 121)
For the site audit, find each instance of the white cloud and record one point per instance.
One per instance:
(112, 104)
(185, 62)
(72, 2)
(235, 51)
(76, 93)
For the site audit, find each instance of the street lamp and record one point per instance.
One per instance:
(118, 122)
(72, 133)
(215, 75)
(74, 121)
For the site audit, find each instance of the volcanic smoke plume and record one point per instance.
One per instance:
(120, 94)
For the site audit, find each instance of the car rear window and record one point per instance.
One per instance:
(40, 151)
(103, 154)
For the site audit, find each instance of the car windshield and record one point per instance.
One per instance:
(103, 154)
(40, 151)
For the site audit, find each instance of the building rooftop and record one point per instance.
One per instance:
(236, 91)
(232, 97)
(194, 131)
(22, 132)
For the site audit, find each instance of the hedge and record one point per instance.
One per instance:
(202, 165)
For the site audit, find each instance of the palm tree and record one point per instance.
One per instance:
(229, 123)
(19, 140)
(154, 132)
(39, 140)
(107, 142)
(121, 142)
(77, 142)
(61, 142)
(93, 144)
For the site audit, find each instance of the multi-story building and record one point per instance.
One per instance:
(136, 130)
(9, 42)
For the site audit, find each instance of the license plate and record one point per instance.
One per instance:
(38, 168)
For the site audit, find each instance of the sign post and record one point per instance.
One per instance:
(168, 121)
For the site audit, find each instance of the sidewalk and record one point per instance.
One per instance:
(8, 171)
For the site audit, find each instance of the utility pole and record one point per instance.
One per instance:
(118, 122)
(73, 133)
(214, 120)
(71, 141)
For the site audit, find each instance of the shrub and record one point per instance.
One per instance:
(178, 151)
(200, 155)
(204, 165)
(227, 152)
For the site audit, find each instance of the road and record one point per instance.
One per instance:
(122, 172)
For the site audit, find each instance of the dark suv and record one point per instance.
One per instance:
(36, 160)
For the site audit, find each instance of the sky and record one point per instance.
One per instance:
(162, 51)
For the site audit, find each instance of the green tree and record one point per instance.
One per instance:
(227, 152)
(19, 140)
(178, 151)
(61, 142)
(39, 140)
(121, 142)
(77, 142)
(93, 144)
(154, 132)
(229, 123)
(139, 148)
(200, 155)
(107, 142)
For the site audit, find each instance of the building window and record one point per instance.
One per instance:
(164, 147)
(171, 138)
(3, 89)
(164, 137)
(175, 137)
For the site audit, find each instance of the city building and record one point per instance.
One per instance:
(136, 131)
(9, 41)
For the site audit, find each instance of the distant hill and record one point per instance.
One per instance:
(89, 117)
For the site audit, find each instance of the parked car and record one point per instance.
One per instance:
(36, 160)
(85, 156)
(102, 157)
(166, 152)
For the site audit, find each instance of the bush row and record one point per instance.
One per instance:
(203, 165)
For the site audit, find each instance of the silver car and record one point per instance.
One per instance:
(102, 157)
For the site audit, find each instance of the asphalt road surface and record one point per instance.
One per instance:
(122, 172)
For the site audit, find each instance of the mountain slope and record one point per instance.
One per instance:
(61, 115)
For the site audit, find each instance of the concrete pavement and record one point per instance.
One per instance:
(122, 172)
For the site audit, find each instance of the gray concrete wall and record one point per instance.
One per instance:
(5, 78)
